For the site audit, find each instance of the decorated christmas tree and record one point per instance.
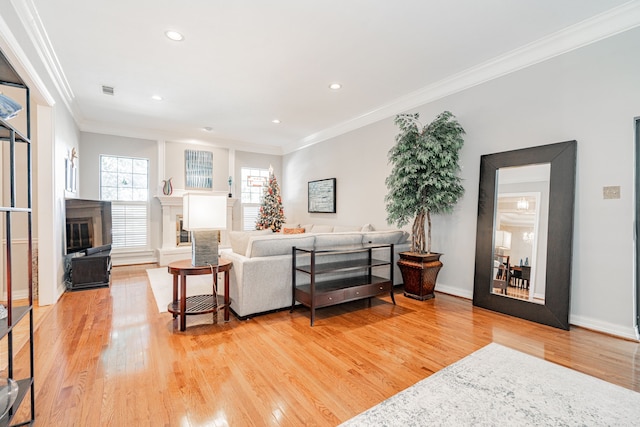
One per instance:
(271, 216)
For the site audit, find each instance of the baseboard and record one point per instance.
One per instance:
(21, 294)
(576, 320)
(133, 257)
(605, 327)
(454, 291)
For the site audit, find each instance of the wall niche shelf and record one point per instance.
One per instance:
(16, 226)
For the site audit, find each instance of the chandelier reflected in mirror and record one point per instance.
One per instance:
(528, 237)
(523, 204)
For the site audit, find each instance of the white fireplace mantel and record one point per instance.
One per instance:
(171, 208)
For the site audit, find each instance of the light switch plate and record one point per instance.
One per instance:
(611, 192)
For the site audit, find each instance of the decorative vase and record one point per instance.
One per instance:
(167, 187)
(419, 273)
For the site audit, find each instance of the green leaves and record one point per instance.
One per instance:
(424, 177)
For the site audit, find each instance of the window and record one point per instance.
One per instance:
(125, 182)
(124, 179)
(252, 181)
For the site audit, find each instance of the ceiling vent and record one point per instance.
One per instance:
(107, 90)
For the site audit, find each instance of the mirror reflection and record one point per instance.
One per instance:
(520, 232)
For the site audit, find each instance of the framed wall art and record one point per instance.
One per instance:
(322, 196)
(198, 168)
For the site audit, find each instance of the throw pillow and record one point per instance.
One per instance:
(322, 228)
(292, 230)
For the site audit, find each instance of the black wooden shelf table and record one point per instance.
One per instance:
(339, 274)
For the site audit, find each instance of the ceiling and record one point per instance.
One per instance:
(244, 63)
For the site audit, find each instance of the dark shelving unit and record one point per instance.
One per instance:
(338, 274)
(17, 145)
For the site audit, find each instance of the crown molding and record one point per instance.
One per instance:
(594, 29)
(23, 66)
(28, 15)
(156, 135)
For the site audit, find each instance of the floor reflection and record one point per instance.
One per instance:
(518, 293)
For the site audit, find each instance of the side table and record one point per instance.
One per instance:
(197, 304)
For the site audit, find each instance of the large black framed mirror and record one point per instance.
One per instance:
(525, 233)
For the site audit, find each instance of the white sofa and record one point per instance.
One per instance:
(260, 280)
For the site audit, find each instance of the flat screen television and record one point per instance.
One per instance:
(88, 225)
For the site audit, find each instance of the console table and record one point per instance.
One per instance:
(340, 274)
(197, 304)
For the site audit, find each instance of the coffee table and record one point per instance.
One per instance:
(197, 304)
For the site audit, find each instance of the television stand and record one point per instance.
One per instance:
(90, 268)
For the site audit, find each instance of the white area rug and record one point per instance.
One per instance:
(162, 285)
(498, 386)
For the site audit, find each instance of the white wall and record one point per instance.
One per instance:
(174, 164)
(53, 132)
(590, 95)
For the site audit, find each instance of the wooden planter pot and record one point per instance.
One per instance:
(419, 273)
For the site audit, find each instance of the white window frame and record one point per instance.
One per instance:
(251, 196)
(118, 202)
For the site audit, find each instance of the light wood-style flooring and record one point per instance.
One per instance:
(106, 357)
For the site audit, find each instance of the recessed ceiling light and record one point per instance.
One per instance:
(174, 35)
(156, 98)
(208, 128)
(335, 86)
(276, 121)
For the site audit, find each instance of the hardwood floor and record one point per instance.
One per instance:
(106, 357)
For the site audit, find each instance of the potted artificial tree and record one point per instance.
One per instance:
(423, 181)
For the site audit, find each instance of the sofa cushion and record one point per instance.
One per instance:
(307, 227)
(291, 225)
(385, 237)
(280, 244)
(367, 227)
(240, 239)
(325, 240)
(318, 228)
(294, 230)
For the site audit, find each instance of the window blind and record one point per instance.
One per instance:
(249, 216)
(129, 224)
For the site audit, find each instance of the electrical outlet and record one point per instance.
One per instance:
(611, 192)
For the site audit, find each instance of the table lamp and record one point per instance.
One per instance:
(204, 216)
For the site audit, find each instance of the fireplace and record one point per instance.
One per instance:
(175, 240)
(183, 237)
(79, 234)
